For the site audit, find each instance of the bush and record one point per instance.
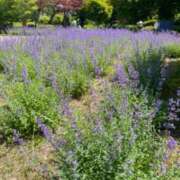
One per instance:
(172, 51)
(148, 63)
(177, 19)
(115, 144)
(24, 103)
(177, 28)
(13, 67)
(58, 18)
(150, 22)
(148, 28)
(30, 24)
(74, 83)
(97, 11)
(123, 26)
(90, 25)
(44, 19)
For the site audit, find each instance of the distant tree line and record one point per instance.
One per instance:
(98, 12)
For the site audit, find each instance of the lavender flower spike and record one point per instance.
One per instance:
(121, 76)
(25, 75)
(171, 143)
(47, 134)
(16, 138)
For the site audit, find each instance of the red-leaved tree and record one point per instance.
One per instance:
(68, 5)
(65, 6)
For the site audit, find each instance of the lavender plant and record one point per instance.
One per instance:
(41, 72)
(111, 147)
(24, 103)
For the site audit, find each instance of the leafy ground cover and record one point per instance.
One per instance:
(100, 98)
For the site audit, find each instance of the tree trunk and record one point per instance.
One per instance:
(52, 17)
(36, 17)
(66, 19)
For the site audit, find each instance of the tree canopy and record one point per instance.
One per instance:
(98, 11)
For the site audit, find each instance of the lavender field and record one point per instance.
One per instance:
(100, 104)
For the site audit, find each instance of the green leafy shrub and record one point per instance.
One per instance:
(90, 24)
(74, 82)
(97, 11)
(114, 145)
(44, 19)
(24, 103)
(150, 22)
(177, 28)
(149, 28)
(125, 26)
(13, 67)
(30, 24)
(177, 19)
(172, 50)
(58, 18)
(148, 64)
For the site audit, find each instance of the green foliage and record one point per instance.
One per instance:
(6, 11)
(74, 82)
(44, 19)
(112, 146)
(167, 9)
(173, 81)
(132, 11)
(149, 28)
(97, 11)
(25, 10)
(128, 26)
(7, 14)
(58, 18)
(177, 19)
(150, 22)
(172, 51)
(148, 63)
(31, 24)
(13, 71)
(24, 103)
(177, 28)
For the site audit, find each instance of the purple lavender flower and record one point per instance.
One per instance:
(66, 109)
(97, 71)
(16, 138)
(174, 109)
(98, 126)
(25, 75)
(171, 143)
(55, 85)
(158, 105)
(163, 76)
(47, 134)
(134, 76)
(56, 143)
(121, 76)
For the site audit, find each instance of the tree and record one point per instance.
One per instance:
(167, 8)
(65, 6)
(68, 6)
(6, 14)
(26, 10)
(95, 10)
(131, 11)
